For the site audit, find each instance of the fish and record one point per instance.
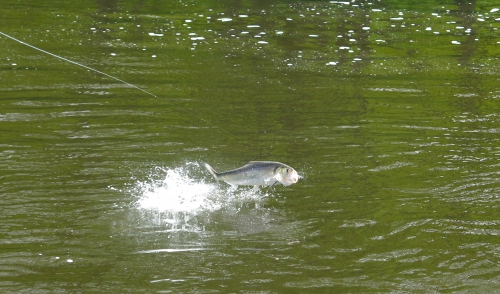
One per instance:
(257, 173)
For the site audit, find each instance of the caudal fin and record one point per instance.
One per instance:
(211, 171)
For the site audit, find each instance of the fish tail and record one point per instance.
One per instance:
(212, 171)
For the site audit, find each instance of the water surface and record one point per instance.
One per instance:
(387, 109)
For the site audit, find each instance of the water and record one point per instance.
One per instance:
(388, 110)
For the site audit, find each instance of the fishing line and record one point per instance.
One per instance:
(76, 63)
(108, 75)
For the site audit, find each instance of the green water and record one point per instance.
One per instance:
(388, 109)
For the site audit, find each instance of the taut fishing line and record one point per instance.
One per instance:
(76, 63)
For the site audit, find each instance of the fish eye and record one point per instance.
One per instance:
(287, 170)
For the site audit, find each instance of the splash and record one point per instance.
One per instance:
(185, 197)
(178, 192)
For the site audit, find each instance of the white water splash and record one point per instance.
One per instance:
(187, 195)
(177, 192)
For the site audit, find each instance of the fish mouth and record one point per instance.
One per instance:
(294, 177)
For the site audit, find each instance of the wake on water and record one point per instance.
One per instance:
(183, 198)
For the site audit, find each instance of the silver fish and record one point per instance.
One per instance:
(257, 173)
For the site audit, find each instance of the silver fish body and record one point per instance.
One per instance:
(257, 173)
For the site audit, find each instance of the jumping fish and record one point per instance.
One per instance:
(257, 173)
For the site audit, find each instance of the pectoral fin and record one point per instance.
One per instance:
(233, 187)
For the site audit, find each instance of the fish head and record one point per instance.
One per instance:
(286, 175)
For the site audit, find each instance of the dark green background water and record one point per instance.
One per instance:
(389, 109)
